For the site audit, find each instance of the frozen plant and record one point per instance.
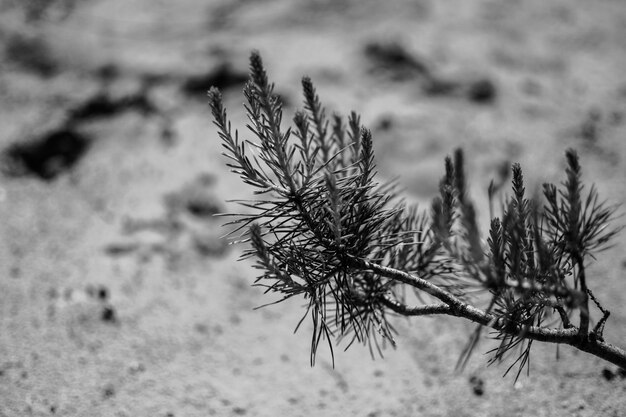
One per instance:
(321, 227)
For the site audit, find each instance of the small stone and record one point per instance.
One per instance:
(108, 314)
(385, 123)
(136, 367)
(608, 374)
(482, 92)
(108, 391)
(478, 386)
(103, 293)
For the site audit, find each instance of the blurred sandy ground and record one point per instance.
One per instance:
(117, 296)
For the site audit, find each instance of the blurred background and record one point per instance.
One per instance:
(117, 295)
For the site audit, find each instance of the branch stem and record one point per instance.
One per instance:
(456, 307)
(583, 329)
(424, 310)
(599, 328)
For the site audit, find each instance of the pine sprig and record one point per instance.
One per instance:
(323, 228)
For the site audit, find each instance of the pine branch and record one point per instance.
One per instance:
(324, 229)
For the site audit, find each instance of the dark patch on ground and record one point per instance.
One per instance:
(616, 118)
(394, 62)
(38, 10)
(188, 227)
(195, 199)
(61, 148)
(99, 292)
(31, 54)
(224, 15)
(102, 105)
(200, 207)
(108, 314)
(610, 375)
(240, 411)
(121, 249)
(108, 391)
(481, 91)
(223, 77)
(590, 128)
(439, 87)
(385, 123)
(108, 73)
(46, 157)
(207, 245)
(478, 386)
(593, 129)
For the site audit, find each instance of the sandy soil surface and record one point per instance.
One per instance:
(117, 297)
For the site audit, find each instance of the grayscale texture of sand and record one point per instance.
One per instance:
(117, 295)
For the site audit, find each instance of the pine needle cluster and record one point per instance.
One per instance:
(321, 227)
